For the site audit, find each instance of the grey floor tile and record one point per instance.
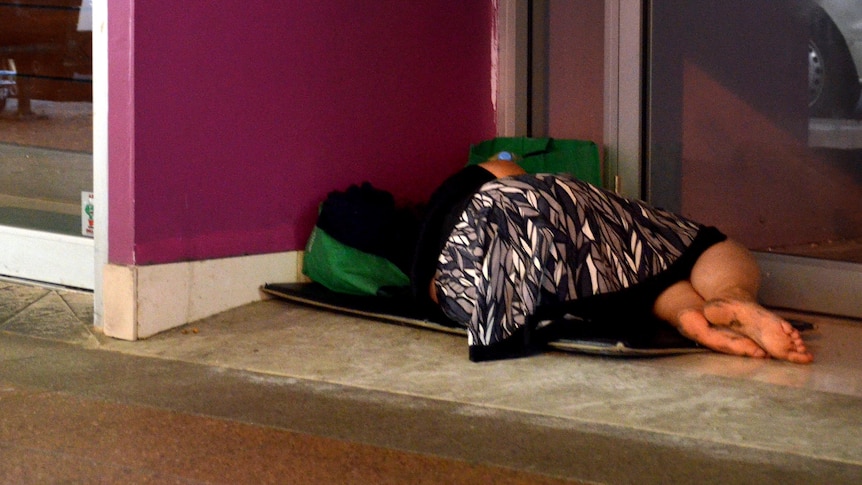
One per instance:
(15, 297)
(81, 304)
(50, 318)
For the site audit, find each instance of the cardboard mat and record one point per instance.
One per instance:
(655, 341)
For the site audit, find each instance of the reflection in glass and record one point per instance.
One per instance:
(45, 113)
(834, 57)
(754, 121)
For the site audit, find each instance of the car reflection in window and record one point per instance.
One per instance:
(834, 57)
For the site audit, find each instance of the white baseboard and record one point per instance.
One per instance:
(141, 301)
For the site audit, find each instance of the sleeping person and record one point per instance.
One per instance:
(513, 256)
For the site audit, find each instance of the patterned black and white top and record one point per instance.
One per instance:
(531, 251)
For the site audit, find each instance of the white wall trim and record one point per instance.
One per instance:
(141, 301)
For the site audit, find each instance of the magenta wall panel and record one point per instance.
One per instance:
(245, 114)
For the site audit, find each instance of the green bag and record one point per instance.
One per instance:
(545, 155)
(361, 242)
(345, 269)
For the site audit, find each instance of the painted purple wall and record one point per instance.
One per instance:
(245, 114)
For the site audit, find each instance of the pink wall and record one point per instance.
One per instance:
(243, 115)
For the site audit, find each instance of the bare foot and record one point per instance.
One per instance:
(694, 325)
(772, 333)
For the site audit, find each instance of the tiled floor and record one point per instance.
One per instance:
(704, 417)
(47, 312)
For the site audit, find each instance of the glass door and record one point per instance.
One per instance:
(46, 141)
(754, 125)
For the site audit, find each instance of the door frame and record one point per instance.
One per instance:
(100, 153)
(62, 259)
(623, 114)
(47, 257)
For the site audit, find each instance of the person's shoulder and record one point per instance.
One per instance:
(502, 168)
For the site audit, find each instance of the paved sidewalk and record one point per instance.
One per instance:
(73, 415)
(279, 393)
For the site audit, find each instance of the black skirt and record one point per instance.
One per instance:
(535, 249)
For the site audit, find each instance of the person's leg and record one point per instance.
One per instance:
(726, 276)
(726, 270)
(682, 306)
